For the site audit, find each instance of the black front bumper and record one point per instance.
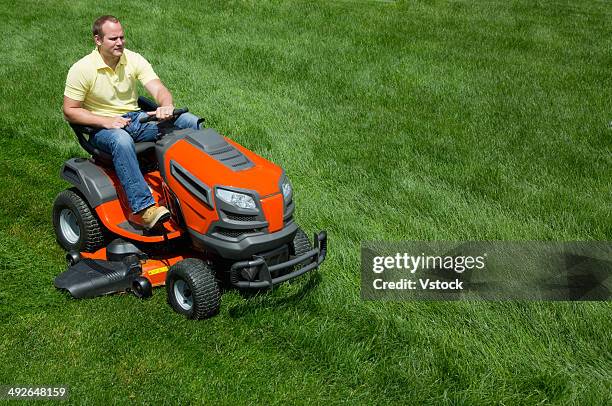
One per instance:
(309, 261)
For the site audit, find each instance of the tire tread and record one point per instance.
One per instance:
(301, 243)
(204, 287)
(93, 237)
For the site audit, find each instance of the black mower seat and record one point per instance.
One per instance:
(83, 134)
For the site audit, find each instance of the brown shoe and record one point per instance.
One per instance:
(151, 216)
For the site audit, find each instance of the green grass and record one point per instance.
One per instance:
(416, 120)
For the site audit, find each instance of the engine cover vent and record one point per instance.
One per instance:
(211, 142)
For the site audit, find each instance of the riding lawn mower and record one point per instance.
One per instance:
(231, 222)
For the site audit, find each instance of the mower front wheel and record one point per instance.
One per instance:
(193, 289)
(299, 246)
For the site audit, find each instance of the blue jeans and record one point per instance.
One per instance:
(119, 142)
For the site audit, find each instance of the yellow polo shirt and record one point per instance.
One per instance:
(104, 91)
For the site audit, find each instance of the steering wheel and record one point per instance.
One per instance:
(175, 114)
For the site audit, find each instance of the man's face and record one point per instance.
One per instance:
(111, 43)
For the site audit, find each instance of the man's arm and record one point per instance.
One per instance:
(162, 96)
(76, 114)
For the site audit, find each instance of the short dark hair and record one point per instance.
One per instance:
(97, 25)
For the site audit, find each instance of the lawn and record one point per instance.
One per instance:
(395, 120)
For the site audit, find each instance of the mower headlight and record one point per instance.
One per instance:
(287, 189)
(239, 200)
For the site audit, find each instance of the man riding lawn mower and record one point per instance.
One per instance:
(231, 221)
(177, 204)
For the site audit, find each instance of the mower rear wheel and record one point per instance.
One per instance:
(193, 289)
(76, 227)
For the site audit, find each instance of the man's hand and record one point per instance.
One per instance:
(115, 122)
(163, 112)
(76, 114)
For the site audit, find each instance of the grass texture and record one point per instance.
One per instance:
(395, 120)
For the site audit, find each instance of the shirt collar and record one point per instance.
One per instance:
(99, 62)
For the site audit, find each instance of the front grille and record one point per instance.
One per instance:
(240, 217)
(227, 232)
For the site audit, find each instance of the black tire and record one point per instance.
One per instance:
(76, 227)
(193, 289)
(142, 288)
(301, 244)
(72, 257)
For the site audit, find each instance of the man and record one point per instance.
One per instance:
(101, 93)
